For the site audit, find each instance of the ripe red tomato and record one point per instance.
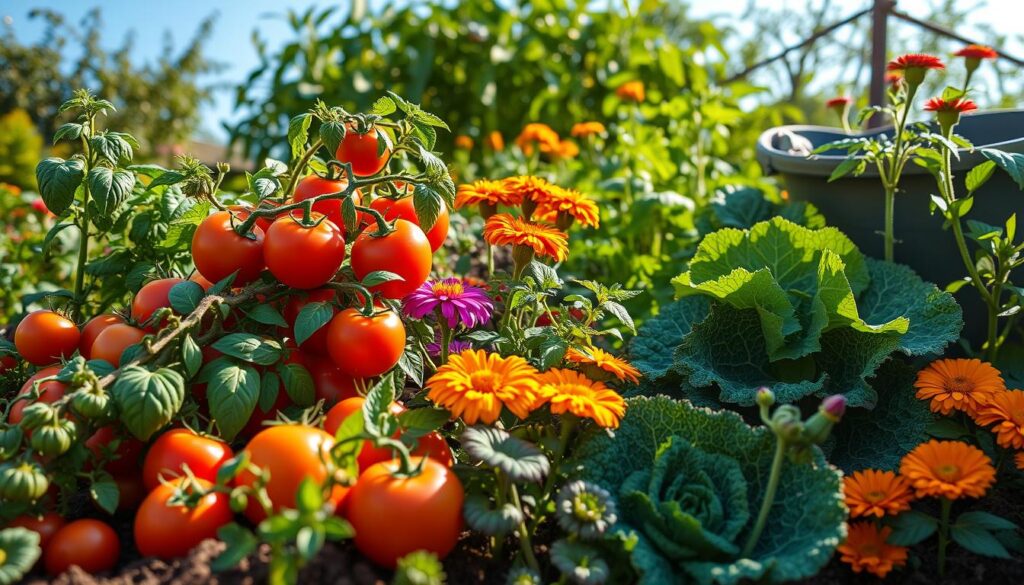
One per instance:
(44, 337)
(201, 281)
(434, 446)
(243, 211)
(314, 185)
(49, 392)
(405, 251)
(90, 544)
(93, 328)
(180, 447)
(364, 347)
(218, 251)
(112, 342)
(404, 209)
(317, 343)
(7, 362)
(427, 506)
(290, 453)
(168, 532)
(45, 526)
(330, 382)
(360, 150)
(129, 449)
(431, 445)
(304, 257)
(132, 491)
(152, 296)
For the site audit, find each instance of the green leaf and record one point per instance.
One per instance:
(421, 421)
(910, 528)
(109, 189)
(58, 179)
(332, 133)
(855, 165)
(71, 131)
(428, 206)
(978, 540)
(1011, 162)
(232, 392)
(185, 296)
(298, 134)
(298, 383)
(984, 520)
(240, 544)
(249, 347)
(309, 541)
(267, 315)
(105, 493)
(310, 319)
(378, 277)
(270, 386)
(310, 498)
(807, 518)
(147, 400)
(114, 147)
(979, 175)
(377, 417)
(384, 106)
(652, 351)
(520, 460)
(191, 355)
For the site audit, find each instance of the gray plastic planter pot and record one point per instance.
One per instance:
(856, 204)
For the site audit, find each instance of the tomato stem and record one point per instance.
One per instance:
(300, 166)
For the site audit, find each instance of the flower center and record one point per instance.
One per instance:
(485, 381)
(447, 290)
(875, 496)
(948, 471)
(869, 550)
(960, 385)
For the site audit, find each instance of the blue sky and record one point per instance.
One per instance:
(230, 41)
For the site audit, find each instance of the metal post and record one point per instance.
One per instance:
(879, 22)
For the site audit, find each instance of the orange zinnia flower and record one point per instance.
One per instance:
(937, 104)
(631, 91)
(495, 141)
(565, 205)
(585, 129)
(463, 142)
(604, 361)
(958, 384)
(866, 549)
(475, 385)
(876, 493)
(948, 469)
(572, 392)
(1019, 460)
(540, 135)
(977, 52)
(914, 66)
(505, 230)
(529, 188)
(1005, 410)
(839, 103)
(567, 149)
(485, 192)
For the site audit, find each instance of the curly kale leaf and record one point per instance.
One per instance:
(738, 206)
(806, 522)
(652, 349)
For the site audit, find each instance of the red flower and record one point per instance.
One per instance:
(960, 105)
(977, 52)
(839, 102)
(915, 61)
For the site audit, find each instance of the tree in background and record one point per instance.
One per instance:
(157, 102)
(20, 148)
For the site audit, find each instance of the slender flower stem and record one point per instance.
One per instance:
(890, 222)
(83, 243)
(769, 497)
(568, 426)
(947, 505)
(446, 337)
(525, 544)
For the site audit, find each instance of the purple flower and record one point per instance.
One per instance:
(456, 301)
(454, 347)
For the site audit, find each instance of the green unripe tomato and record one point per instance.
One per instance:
(53, 439)
(23, 482)
(10, 441)
(91, 404)
(36, 415)
(239, 500)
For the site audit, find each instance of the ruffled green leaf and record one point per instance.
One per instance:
(21, 550)
(521, 461)
(481, 515)
(652, 350)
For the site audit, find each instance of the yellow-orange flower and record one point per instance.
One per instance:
(567, 149)
(958, 384)
(948, 469)
(538, 135)
(495, 141)
(602, 360)
(1005, 410)
(505, 230)
(1019, 460)
(585, 129)
(631, 91)
(560, 206)
(463, 142)
(876, 493)
(475, 385)
(572, 392)
(866, 549)
(529, 188)
(486, 192)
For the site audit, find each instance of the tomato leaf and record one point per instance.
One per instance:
(384, 106)
(240, 544)
(57, 179)
(298, 383)
(377, 418)
(191, 356)
(331, 134)
(267, 315)
(71, 131)
(421, 421)
(310, 540)
(979, 175)
(249, 347)
(105, 493)
(1011, 162)
(411, 363)
(109, 189)
(232, 393)
(427, 203)
(270, 385)
(185, 296)
(298, 134)
(310, 319)
(148, 400)
(349, 215)
(309, 498)
(379, 276)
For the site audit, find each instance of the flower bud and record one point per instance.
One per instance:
(820, 424)
(765, 397)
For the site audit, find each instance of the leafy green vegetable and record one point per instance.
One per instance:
(688, 481)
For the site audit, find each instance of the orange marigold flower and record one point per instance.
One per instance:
(505, 230)
(540, 135)
(495, 141)
(572, 392)
(463, 142)
(876, 493)
(475, 385)
(585, 129)
(948, 469)
(631, 91)
(961, 105)
(565, 205)
(529, 188)
(567, 149)
(1005, 410)
(958, 384)
(602, 360)
(866, 549)
(977, 52)
(840, 102)
(486, 192)
(1019, 460)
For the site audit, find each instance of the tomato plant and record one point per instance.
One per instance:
(90, 544)
(167, 529)
(428, 507)
(49, 391)
(364, 151)
(44, 337)
(120, 459)
(330, 382)
(219, 251)
(178, 448)
(304, 257)
(154, 295)
(404, 251)
(364, 347)
(314, 185)
(405, 209)
(112, 341)
(317, 342)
